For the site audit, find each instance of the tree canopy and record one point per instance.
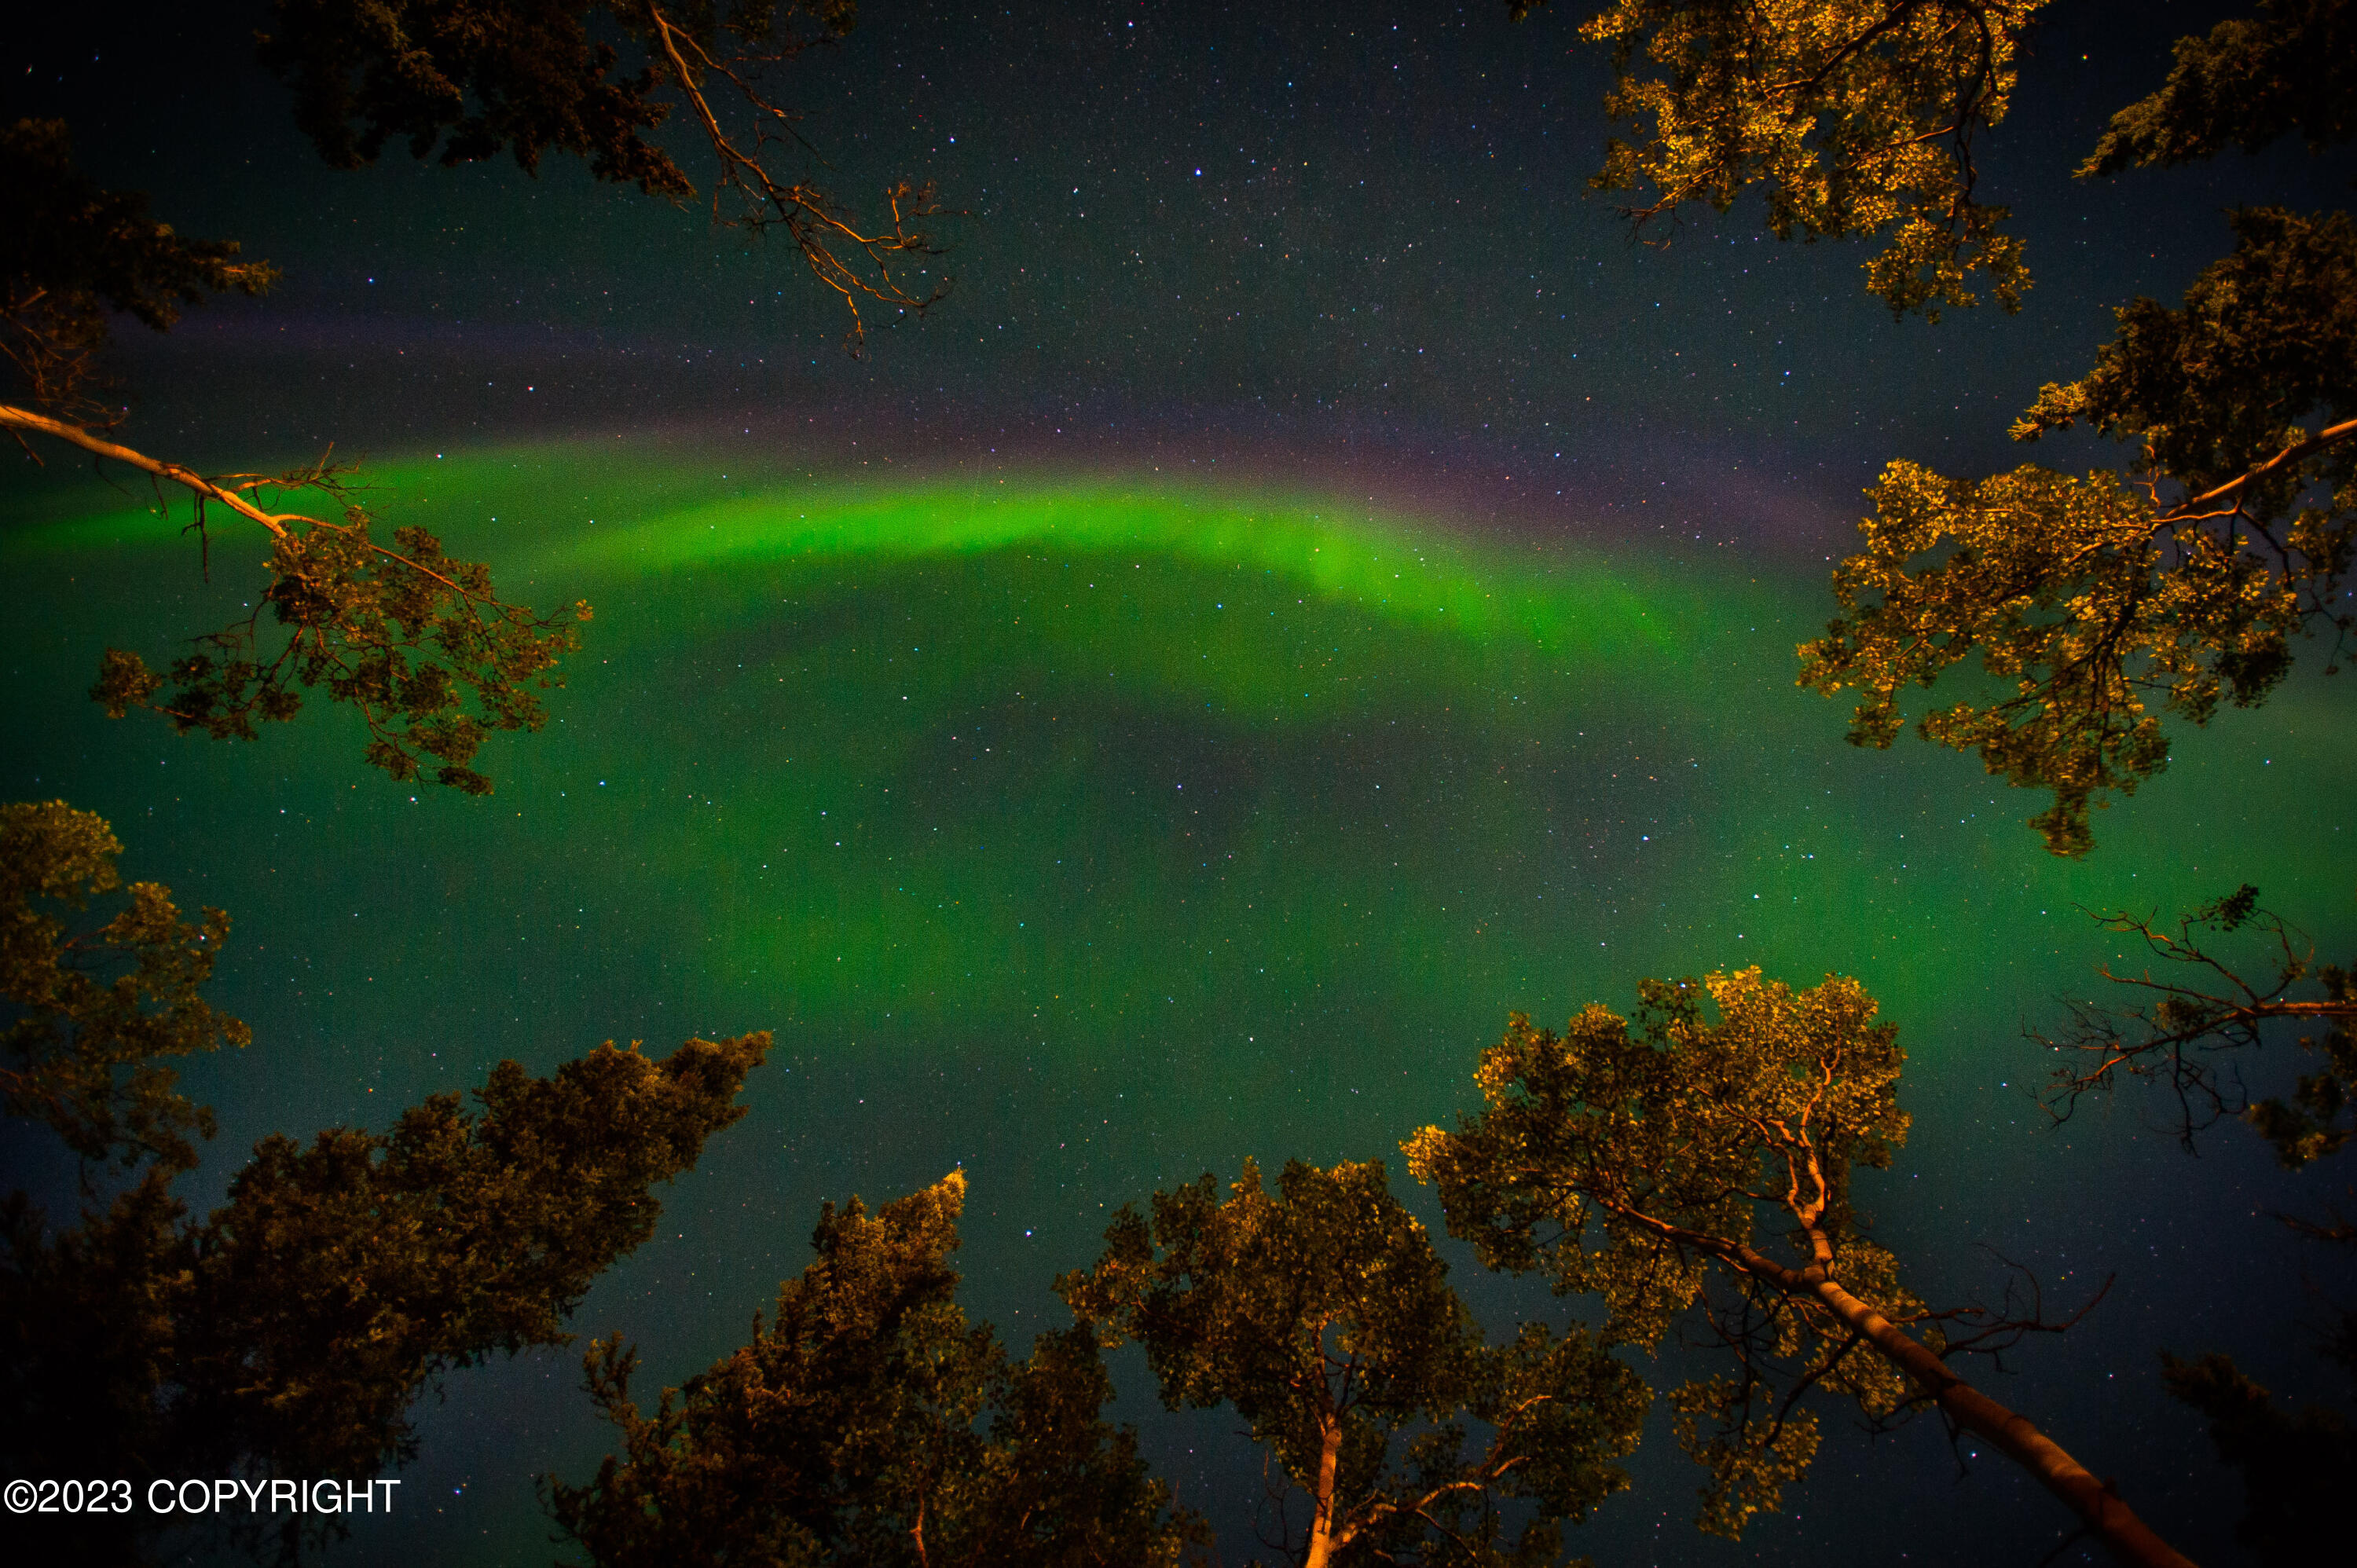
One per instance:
(289, 1331)
(866, 1422)
(2090, 601)
(71, 252)
(461, 80)
(2064, 620)
(2091, 604)
(1322, 1316)
(96, 1012)
(2062, 617)
(420, 645)
(1852, 117)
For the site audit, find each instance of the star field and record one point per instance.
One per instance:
(1314, 588)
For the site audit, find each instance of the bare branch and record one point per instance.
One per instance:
(2214, 1011)
(857, 264)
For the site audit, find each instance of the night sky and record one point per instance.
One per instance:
(1314, 588)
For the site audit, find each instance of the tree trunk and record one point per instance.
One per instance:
(2130, 1539)
(1321, 1523)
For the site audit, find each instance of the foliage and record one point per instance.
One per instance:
(71, 252)
(1627, 1163)
(92, 1013)
(845, 1429)
(1635, 1165)
(2266, 338)
(348, 1272)
(2290, 70)
(2091, 599)
(473, 78)
(2083, 602)
(418, 644)
(290, 1331)
(2295, 1464)
(1322, 1315)
(1856, 117)
(2088, 603)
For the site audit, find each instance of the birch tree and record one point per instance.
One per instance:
(1638, 1165)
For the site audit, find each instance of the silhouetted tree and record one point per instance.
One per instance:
(463, 80)
(2201, 1005)
(2294, 1464)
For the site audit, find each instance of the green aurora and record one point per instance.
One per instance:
(1091, 831)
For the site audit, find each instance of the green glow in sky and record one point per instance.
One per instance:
(1092, 832)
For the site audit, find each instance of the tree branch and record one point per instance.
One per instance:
(14, 418)
(2297, 452)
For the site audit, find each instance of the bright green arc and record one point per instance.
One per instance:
(1577, 602)
(1054, 761)
(1439, 769)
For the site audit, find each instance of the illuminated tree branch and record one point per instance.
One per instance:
(418, 643)
(822, 234)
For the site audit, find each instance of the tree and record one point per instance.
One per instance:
(1323, 1315)
(2093, 599)
(2092, 605)
(1855, 116)
(2090, 600)
(1635, 1165)
(2294, 1464)
(421, 646)
(289, 1332)
(845, 1429)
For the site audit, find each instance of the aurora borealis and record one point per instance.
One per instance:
(1181, 735)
